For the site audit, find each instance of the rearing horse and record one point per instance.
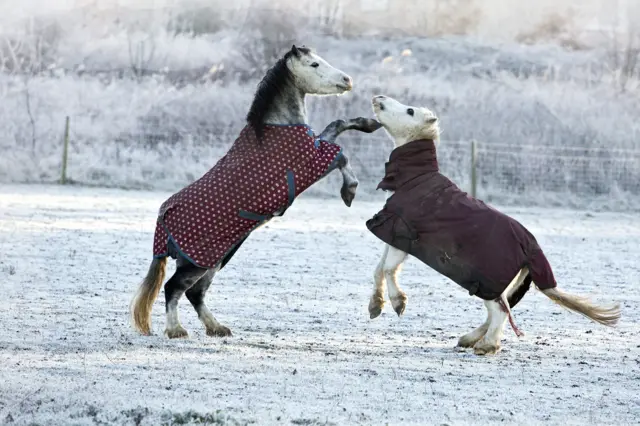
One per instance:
(274, 159)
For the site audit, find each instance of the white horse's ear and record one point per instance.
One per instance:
(431, 120)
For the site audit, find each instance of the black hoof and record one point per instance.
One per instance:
(399, 309)
(348, 193)
(375, 312)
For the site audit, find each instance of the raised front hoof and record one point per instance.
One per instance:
(375, 306)
(483, 348)
(399, 303)
(220, 331)
(176, 333)
(367, 125)
(348, 193)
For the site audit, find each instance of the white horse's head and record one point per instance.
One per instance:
(315, 76)
(405, 123)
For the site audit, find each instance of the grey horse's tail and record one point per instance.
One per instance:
(142, 303)
(605, 315)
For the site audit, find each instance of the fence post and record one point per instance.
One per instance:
(65, 153)
(474, 177)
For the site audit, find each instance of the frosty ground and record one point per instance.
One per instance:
(304, 350)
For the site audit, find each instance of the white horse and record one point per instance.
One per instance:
(488, 253)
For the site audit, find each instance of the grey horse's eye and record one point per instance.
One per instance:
(315, 65)
(410, 111)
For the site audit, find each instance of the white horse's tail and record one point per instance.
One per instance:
(605, 315)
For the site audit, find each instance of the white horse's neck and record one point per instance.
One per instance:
(288, 108)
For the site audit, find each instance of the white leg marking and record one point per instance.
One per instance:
(174, 329)
(379, 286)
(490, 343)
(470, 339)
(392, 267)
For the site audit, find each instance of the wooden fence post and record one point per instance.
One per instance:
(474, 171)
(65, 153)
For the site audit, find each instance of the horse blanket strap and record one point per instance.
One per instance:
(429, 217)
(254, 181)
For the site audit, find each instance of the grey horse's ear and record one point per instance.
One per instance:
(295, 51)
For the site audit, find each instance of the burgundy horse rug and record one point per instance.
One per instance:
(207, 221)
(461, 237)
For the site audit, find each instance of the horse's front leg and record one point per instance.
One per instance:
(349, 180)
(330, 134)
(376, 303)
(333, 130)
(392, 266)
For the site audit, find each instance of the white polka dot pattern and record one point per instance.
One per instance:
(203, 218)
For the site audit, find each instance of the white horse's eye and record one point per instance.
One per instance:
(410, 111)
(315, 65)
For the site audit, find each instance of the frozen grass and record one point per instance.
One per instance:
(304, 351)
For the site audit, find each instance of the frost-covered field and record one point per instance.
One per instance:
(304, 351)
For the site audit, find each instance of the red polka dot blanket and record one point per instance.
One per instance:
(206, 221)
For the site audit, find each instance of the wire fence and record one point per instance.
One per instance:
(598, 178)
(521, 174)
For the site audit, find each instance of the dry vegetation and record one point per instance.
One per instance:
(554, 28)
(143, 89)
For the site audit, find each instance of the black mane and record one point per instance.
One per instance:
(272, 85)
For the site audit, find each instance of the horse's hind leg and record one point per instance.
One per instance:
(470, 339)
(490, 342)
(497, 315)
(196, 296)
(185, 277)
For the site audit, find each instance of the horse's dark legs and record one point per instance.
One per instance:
(185, 277)
(333, 130)
(349, 180)
(196, 296)
(330, 133)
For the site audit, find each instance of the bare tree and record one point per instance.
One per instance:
(624, 44)
(328, 16)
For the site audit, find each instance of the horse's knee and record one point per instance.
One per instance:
(388, 270)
